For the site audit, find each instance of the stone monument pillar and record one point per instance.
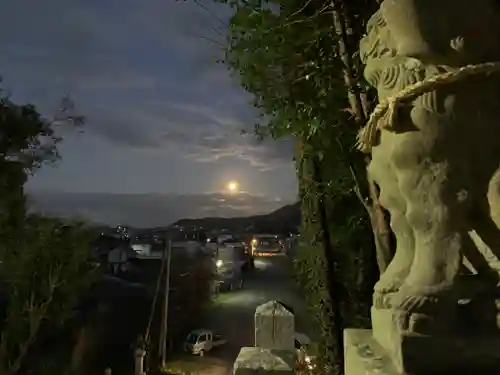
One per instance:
(274, 350)
(435, 146)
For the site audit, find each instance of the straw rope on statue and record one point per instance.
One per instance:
(383, 116)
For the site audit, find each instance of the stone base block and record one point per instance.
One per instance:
(437, 353)
(259, 361)
(420, 355)
(390, 350)
(364, 356)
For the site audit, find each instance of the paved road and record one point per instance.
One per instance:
(233, 312)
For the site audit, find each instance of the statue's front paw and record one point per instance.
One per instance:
(413, 303)
(388, 284)
(426, 311)
(392, 279)
(414, 300)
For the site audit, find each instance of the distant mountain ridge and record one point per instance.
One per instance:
(283, 220)
(148, 210)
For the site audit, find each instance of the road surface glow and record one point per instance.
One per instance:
(232, 313)
(261, 264)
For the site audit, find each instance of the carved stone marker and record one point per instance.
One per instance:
(139, 355)
(274, 351)
(274, 326)
(436, 158)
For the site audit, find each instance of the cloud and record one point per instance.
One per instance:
(142, 73)
(199, 132)
(265, 155)
(215, 134)
(148, 210)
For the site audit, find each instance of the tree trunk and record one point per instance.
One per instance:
(359, 106)
(316, 264)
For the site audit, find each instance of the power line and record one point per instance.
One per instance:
(209, 11)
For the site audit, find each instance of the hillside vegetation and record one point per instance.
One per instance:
(284, 220)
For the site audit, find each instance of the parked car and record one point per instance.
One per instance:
(238, 252)
(229, 279)
(200, 341)
(229, 267)
(266, 245)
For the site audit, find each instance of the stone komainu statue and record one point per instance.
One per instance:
(438, 167)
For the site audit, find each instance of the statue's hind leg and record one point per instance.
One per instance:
(392, 200)
(434, 212)
(399, 268)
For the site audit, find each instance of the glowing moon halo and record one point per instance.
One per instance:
(232, 186)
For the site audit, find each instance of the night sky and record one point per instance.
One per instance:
(164, 120)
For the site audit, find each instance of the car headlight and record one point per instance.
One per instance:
(219, 263)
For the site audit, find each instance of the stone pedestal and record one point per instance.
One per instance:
(260, 361)
(274, 351)
(390, 349)
(364, 356)
(139, 355)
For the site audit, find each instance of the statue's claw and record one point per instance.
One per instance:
(413, 303)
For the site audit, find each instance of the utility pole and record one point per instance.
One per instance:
(164, 322)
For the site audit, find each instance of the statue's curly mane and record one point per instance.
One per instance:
(389, 71)
(377, 42)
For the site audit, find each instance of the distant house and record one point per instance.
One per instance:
(115, 253)
(119, 258)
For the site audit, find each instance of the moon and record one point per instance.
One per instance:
(233, 186)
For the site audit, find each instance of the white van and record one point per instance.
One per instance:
(201, 341)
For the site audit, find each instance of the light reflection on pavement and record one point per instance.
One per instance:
(232, 313)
